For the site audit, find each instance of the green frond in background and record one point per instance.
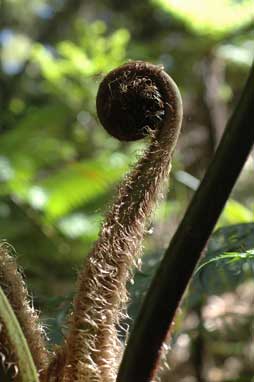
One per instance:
(38, 143)
(77, 184)
(229, 258)
(71, 68)
(210, 17)
(228, 262)
(57, 166)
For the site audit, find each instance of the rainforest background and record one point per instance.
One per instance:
(59, 168)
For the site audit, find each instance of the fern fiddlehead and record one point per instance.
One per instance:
(134, 100)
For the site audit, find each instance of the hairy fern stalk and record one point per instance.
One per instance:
(92, 350)
(135, 100)
(13, 285)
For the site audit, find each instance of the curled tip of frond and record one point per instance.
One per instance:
(136, 99)
(93, 349)
(13, 285)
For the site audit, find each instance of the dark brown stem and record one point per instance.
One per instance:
(140, 98)
(184, 251)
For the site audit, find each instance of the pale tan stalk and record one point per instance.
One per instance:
(92, 350)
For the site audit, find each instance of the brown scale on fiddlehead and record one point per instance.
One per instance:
(134, 100)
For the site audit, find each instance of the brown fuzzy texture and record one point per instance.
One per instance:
(14, 287)
(92, 351)
(8, 360)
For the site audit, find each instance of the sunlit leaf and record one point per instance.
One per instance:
(210, 17)
(235, 212)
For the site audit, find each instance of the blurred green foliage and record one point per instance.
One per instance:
(52, 161)
(212, 18)
(59, 168)
(229, 261)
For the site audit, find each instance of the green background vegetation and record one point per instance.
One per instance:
(59, 168)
